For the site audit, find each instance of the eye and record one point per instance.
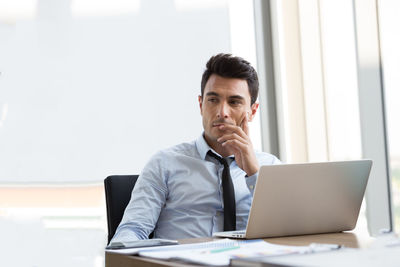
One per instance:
(235, 102)
(212, 99)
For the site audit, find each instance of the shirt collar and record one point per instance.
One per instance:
(202, 146)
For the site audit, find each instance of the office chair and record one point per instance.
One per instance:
(118, 189)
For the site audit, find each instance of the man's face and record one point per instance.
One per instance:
(225, 101)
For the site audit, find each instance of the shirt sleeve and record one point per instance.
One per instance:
(251, 182)
(263, 159)
(148, 197)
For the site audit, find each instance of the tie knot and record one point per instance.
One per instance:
(224, 161)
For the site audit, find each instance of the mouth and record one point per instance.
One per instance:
(217, 124)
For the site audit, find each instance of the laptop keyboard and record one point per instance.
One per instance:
(240, 232)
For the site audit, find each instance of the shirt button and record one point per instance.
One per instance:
(251, 187)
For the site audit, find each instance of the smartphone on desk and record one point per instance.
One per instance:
(142, 243)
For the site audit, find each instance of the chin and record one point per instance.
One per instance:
(213, 135)
(216, 132)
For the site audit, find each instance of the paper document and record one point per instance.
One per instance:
(166, 249)
(387, 257)
(220, 252)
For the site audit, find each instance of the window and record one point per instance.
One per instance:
(330, 57)
(317, 82)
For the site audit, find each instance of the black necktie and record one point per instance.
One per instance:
(228, 193)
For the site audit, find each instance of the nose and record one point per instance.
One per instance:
(223, 111)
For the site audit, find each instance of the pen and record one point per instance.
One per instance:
(223, 249)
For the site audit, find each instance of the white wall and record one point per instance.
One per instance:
(91, 88)
(83, 96)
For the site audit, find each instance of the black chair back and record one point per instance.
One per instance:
(118, 189)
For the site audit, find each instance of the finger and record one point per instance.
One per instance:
(245, 124)
(238, 155)
(235, 145)
(233, 128)
(231, 136)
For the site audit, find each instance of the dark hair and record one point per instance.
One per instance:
(228, 66)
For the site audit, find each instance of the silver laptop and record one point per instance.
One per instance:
(307, 198)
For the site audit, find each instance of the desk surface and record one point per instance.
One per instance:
(347, 239)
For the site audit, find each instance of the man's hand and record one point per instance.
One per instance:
(236, 139)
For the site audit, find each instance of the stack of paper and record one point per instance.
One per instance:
(220, 252)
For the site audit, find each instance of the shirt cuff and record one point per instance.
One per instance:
(251, 182)
(124, 236)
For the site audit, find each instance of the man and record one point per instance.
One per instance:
(189, 190)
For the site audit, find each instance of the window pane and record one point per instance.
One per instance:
(327, 89)
(390, 42)
(340, 79)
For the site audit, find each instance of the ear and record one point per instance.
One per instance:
(254, 109)
(200, 98)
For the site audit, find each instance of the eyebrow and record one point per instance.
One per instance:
(212, 94)
(237, 97)
(230, 97)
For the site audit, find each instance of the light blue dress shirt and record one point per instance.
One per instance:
(179, 195)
